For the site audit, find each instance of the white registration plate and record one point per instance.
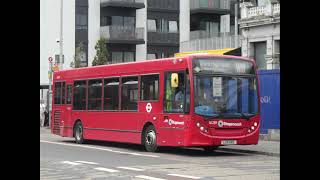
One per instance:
(225, 142)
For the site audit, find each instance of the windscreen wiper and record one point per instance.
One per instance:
(244, 116)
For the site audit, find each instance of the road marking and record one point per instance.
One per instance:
(148, 177)
(86, 162)
(102, 149)
(69, 162)
(131, 168)
(185, 176)
(106, 169)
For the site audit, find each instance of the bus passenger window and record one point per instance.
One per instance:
(80, 95)
(63, 91)
(149, 87)
(69, 94)
(129, 93)
(111, 94)
(174, 96)
(57, 93)
(94, 94)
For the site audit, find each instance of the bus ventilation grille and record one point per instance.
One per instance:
(56, 122)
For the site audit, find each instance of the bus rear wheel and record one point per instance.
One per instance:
(78, 133)
(150, 139)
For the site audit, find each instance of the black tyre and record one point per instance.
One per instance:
(150, 139)
(210, 148)
(78, 133)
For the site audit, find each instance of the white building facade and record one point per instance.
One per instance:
(260, 29)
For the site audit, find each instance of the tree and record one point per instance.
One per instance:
(101, 57)
(79, 54)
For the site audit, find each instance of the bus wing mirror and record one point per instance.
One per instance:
(174, 80)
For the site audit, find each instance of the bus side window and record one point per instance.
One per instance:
(80, 95)
(69, 94)
(57, 93)
(149, 87)
(174, 96)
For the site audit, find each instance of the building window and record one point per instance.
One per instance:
(126, 21)
(111, 94)
(81, 21)
(174, 96)
(69, 94)
(120, 56)
(152, 25)
(152, 56)
(80, 95)
(128, 56)
(117, 57)
(149, 87)
(95, 94)
(173, 26)
(57, 93)
(162, 25)
(129, 93)
(259, 54)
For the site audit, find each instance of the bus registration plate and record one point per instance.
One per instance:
(225, 142)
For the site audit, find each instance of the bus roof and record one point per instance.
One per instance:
(146, 64)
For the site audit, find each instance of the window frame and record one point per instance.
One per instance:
(69, 85)
(82, 110)
(140, 84)
(120, 94)
(102, 94)
(119, 97)
(164, 92)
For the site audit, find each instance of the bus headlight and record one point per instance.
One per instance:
(255, 124)
(249, 130)
(252, 127)
(198, 124)
(201, 128)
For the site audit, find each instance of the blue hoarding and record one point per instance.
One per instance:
(269, 99)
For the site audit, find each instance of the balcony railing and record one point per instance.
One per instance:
(125, 3)
(210, 4)
(163, 4)
(269, 10)
(122, 33)
(211, 43)
(163, 38)
(200, 34)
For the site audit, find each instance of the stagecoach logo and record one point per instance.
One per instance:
(148, 107)
(170, 122)
(221, 123)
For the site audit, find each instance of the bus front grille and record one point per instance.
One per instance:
(56, 122)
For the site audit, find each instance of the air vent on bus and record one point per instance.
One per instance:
(56, 122)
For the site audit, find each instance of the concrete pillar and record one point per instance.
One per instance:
(141, 21)
(184, 20)
(93, 28)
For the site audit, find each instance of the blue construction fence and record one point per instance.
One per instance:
(269, 99)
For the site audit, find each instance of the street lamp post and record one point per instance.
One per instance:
(61, 36)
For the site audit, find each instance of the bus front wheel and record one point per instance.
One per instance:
(78, 133)
(150, 139)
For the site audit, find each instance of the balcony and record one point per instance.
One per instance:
(122, 34)
(136, 4)
(248, 12)
(162, 38)
(163, 5)
(228, 41)
(200, 34)
(220, 7)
